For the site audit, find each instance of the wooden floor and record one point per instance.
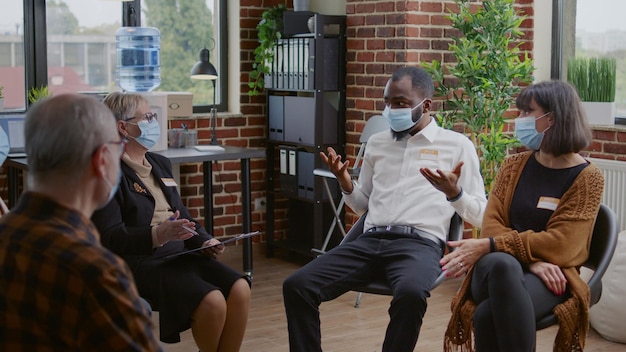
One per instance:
(344, 328)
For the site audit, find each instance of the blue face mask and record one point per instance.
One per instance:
(4, 146)
(401, 119)
(150, 133)
(113, 188)
(526, 131)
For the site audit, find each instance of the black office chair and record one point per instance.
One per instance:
(603, 243)
(455, 233)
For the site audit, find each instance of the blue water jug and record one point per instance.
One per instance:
(138, 64)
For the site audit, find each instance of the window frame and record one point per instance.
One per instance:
(564, 41)
(35, 46)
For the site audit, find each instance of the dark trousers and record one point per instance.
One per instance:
(510, 301)
(410, 264)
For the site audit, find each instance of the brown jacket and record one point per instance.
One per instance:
(565, 242)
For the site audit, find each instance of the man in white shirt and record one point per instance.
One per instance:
(411, 184)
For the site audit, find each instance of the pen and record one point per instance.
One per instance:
(190, 230)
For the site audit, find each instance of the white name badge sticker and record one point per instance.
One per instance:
(169, 182)
(548, 203)
(429, 154)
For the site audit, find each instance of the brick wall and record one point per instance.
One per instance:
(608, 143)
(384, 35)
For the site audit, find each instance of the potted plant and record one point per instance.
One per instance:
(481, 86)
(269, 28)
(594, 79)
(35, 94)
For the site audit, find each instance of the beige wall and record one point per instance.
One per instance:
(328, 7)
(542, 39)
(234, 67)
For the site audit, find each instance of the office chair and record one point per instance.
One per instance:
(603, 243)
(375, 124)
(455, 233)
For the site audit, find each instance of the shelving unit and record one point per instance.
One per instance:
(306, 114)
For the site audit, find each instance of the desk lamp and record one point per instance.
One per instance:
(205, 70)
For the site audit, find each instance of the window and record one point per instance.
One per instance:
(77, 40)
(187, 26)
(588, 28)
(79, 36)
(12, 56)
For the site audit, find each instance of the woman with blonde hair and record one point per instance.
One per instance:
(146, 221)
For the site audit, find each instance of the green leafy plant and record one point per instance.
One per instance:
(269, 29)
(481, 86)
(593, 78)
(35, 94)
(1, 89)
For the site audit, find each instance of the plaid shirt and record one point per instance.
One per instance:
(60, 290)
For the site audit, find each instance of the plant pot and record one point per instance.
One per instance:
(301, 5)
(599, 113)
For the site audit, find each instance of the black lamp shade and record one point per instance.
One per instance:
(204, 69)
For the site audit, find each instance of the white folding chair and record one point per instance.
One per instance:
(375, 124)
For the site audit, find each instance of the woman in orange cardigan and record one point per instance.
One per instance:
(536, 233)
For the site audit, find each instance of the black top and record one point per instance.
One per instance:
(537, 193)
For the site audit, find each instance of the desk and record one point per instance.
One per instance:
(181, 156)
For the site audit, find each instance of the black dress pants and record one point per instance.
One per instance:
(509, 302)
(410, 264)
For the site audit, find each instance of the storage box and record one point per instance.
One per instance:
(179, 104)
(158, 105)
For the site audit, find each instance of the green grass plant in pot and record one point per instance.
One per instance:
(594, 79)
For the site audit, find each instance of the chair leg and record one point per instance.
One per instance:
(357, 302)
(336, 221)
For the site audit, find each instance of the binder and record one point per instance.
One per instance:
(276, 111)
(288, 171)
(306, 178)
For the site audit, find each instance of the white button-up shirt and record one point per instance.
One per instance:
(394, 191)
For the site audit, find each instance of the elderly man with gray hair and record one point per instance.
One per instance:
(61, 289)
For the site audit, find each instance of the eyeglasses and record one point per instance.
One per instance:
(122, 145)
(149, 116)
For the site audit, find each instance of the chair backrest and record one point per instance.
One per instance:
(375, 124)
(603, 244)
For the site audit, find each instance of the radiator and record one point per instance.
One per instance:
(614, 195)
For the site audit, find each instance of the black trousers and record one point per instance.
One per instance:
(410, 264)
(510, 301)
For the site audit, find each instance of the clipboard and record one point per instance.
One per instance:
(232, 239)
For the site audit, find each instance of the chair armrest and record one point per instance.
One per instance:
(455, 232)
(323, 173)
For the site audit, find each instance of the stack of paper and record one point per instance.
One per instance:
(209, 148)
